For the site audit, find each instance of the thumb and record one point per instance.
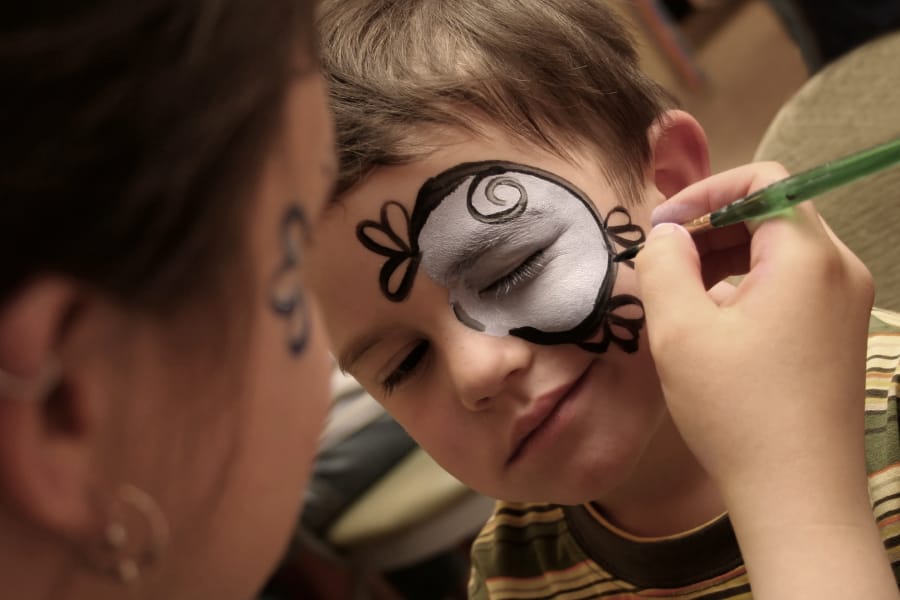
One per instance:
(669, 276)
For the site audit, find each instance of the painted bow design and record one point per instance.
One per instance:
(402, 252)
(621, 325)
(626, 234)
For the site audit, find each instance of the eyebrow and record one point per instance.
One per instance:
(487, 239)
(359, 346)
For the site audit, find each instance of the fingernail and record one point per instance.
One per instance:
(670, 213)
(664, 229)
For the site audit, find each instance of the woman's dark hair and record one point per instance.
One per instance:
(132, 134)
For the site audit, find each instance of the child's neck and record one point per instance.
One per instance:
(670, 492)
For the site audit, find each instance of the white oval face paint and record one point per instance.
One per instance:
(517, 248)
(521, 251)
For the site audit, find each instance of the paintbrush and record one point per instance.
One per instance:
(791, 191)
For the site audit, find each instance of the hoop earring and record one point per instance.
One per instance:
(133, 538)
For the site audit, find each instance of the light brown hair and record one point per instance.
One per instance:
(558, 74)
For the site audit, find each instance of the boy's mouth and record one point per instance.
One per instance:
(540, 414)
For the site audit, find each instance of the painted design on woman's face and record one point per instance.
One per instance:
(287, 296)
(521, 251)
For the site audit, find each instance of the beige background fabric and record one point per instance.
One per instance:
(851, 105)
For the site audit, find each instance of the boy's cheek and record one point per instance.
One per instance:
(626, 282)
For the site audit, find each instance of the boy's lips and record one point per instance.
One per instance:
(538, 414)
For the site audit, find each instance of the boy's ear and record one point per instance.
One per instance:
(680, 152)
(47, 426)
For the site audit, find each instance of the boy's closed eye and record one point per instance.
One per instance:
(410, 360)
(524, 272)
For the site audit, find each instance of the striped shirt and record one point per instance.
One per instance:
(542, 551)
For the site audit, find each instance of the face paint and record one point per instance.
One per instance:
(521, 251)
(286, 293)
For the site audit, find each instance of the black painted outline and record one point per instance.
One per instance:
(436, 189)
(405, 250)
(502, 216)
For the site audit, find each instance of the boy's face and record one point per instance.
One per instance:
(474, 294)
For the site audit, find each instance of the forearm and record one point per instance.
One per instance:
(817, 542)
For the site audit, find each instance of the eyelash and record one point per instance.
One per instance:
(406, 368)
(527, 270)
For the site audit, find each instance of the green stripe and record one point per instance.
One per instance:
(882, 438)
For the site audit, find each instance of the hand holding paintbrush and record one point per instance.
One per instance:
(765, 382)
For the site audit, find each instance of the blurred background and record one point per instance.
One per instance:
(383, 521)
(731, 63)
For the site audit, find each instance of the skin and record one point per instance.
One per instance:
(474, 395)
(219, 426)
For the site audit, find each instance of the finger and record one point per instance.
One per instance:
(792, 256)
(722, 292)
(800, 228)
(717, 191)
(838, 242)
(854, 263)
(671, 284)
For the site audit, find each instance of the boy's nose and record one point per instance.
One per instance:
(482, 367)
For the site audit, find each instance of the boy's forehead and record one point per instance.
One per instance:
(403, 182)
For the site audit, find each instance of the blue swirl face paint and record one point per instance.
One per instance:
(521, 251)
(287, 296)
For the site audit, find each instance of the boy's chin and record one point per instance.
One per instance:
(572, 489)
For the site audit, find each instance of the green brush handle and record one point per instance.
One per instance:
(808, 184)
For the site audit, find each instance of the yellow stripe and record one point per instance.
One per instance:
(879, 377)
(887, 344)
(502, 588)
(728, 585)
(883, 343)
(891, 530)
(528, 518)
(874, 405)
(732, 579)
(520, 521)
(582, 594)
(884, 477)
(553, 582)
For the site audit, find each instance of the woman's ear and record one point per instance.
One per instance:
(48, 427)
(680, 152)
